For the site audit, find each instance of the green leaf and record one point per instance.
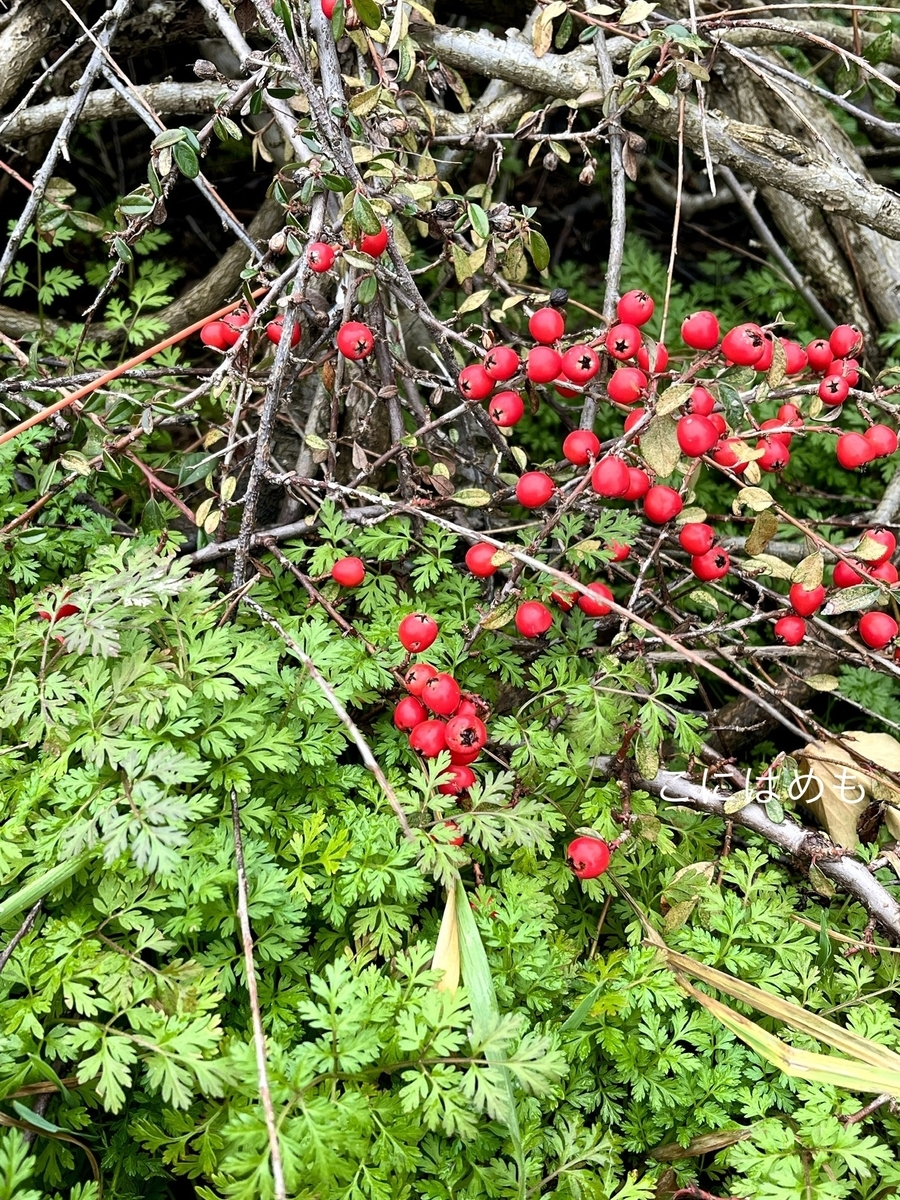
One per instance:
(479, 219)
(471, 303)
(472, 497)
(186, 160)
(364, 215)
(539, 250)
(369, 13)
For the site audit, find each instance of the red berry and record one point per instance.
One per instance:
(696, 538)
(462, 758)
(632, 419)
(442, 694)
(474, 382)
(844, 576)
(619, 551)
(454, 828)
(595, 608)
(320, 257)
(806, 601)
(588, 857)
(328, 7)
(700, 402)
(725, 455)
(661, 504)
(466, 733)
(581, 446)
(566, 393)
(478, 559)
(565, 600)
(626, 385)
(547, 325)
(638, 484)
(544, 364)
(833, 389)
(374, 243)
(845, 340)
(429, 738)
(214, 334)
(501, 363)
(233, 325)
(635, 308)
(819, 355)
(719, 422)
(853, 451)
(886, 539)
(417, 632)
(506, 409)
(765, 359)
(882, 439)
(459, 780)
(534, 489)
(623, 341)
(468, 708)
(700, 331)
(274, 329)
(349, 572)
(660, 358)
(791, 630)
(417, 676)
(789, 414)
(794, 356)
(776, 455)
(848, 368)
(711, 565)
(409, 713)
(533, 618)
(877, 629)
(355, 340)
(782, 435)
(580, 363)
(610, 477)
(886, 572)
(744, 344)
(696, 435)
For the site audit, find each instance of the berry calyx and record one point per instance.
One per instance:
(696, 537)
(355, 340)
(547, 325)
(806, 601)
(700, 330)
(662, 504)
(533, 618)
(478, 559)
(349, 572)
(320, 257)
(834, 389)
(534, 489)
(580, 446)
(588, 857)
(417, 632)
(775, 454)
(790, 629)
(580, 363)
(474, 382)
(501, 363)
(506, 409)
(635, 308)
(877, 629)
(819, 355)
(409, 713)
(466, 733)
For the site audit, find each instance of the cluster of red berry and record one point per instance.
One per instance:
(224, 333)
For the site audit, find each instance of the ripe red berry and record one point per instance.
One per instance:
(595, 608)
(632, 419)
(780, 435)
(744, 344)
(442, 694)
(886, 539)
(274, 330)
(844, 576)
(853, 451)
(791, 630)
(417, 632)
(459, 780)
(806, 601)
(877, 629)
(466, 733)
(789, 414)
(588, 857)
(544, 364)
(834, 389)
(696, 435)
(700, 330)
(478, 559)
(501, 363)
(580, 363)
(409, 713)
(886, 572)
(776, 455)
(454, 828)
(819, 355)
(320, 257)
(565, 600)
(233, 325)
(660, 358)
(533, 618)
(638, 484)
(547, 325)
(696, 537)
(794, 356)
(534, 489)
(355, 340)
(374, 243)
(848, 368)
(845, 340)
(882, 439)
(581, 446)
(610, 477)
(565, 392)
(726, 456)
(635, 308)
(506, 409)
(719, 422)
(214, 334)
(474, 382)
(619, 550)
(417, 676)
(711, 565)
(626, 385)
(662, 504)
(349, 572)
(765, 359)
(623, 341)
(462, 758)
(429, 738)
(328, 7)
(700, 402)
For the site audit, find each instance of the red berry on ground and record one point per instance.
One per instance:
(459, 780)
(429, 738)
(466, 733)
(595, 608)
(547, 325)
(744, 344)
(610, 477)
(417, 632)
(806, 601)
(580, 363)
(442, 695)
(696, 537)
(700, 330)
(588, 857)
(355, 340)
(544, 364)
(501, 363)
(474, 382)
(791, 630)
(580, 446)
(635, 308)
(819, 355)
(626, 385)
(214, 335)
(712, 565)
(845, 340)
(696, 435)
(623, 341)
(478, 559)
(349, 572)
(320, 257)
(533, 618)
(853, 451)
(417, 676)
(374, 243)
(506, 409)
(534, 489)
(662, 503)
(877, 629)
(409, 713)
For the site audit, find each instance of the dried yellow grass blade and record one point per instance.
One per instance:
(446, 952)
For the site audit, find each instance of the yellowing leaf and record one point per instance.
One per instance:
(809, 571)
(754, 498)
(659, 446)
(446, 952)
(764, 529)
(637, 11)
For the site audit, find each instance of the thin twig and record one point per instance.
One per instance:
(19, 934)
